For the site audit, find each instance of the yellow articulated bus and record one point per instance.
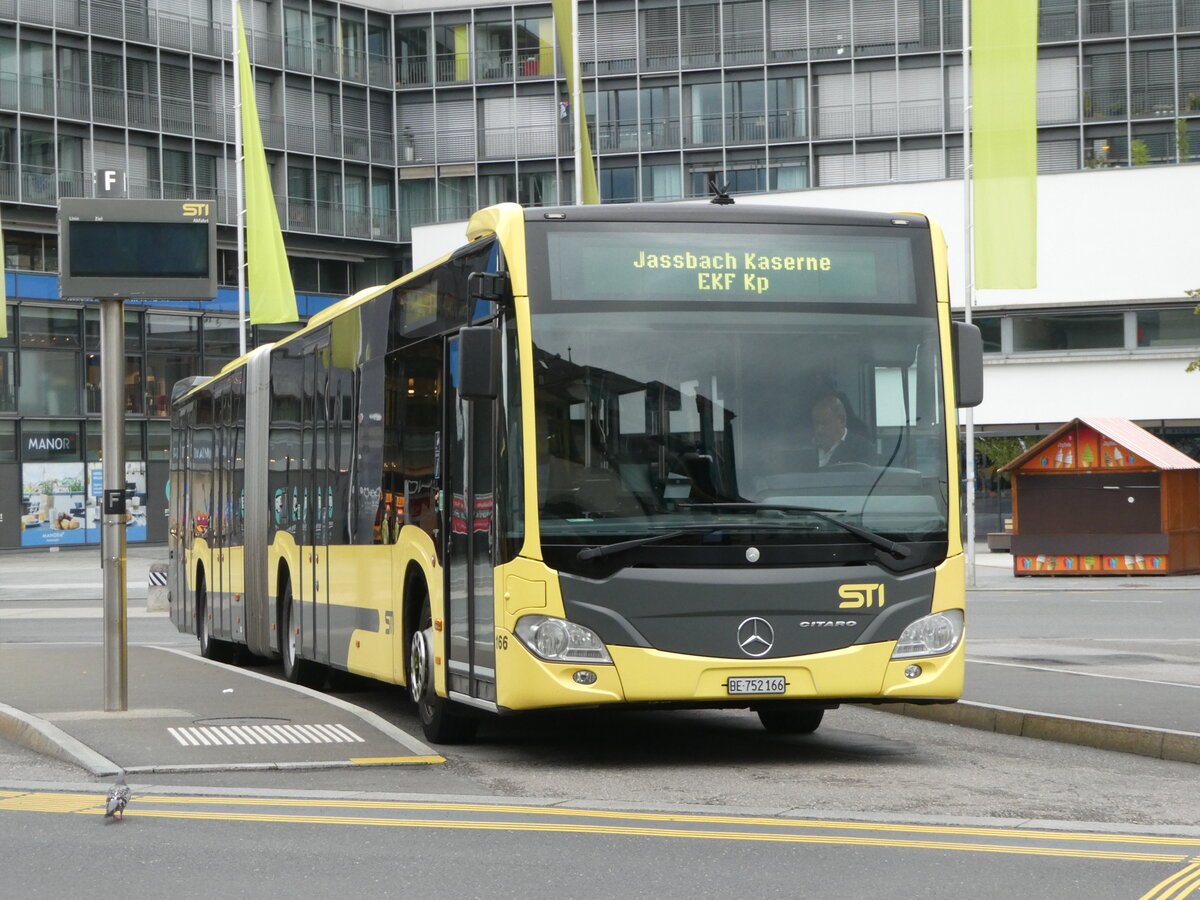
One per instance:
(684, 455)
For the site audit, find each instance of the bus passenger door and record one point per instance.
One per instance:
(314, 631)
(468, 462)
(180, 537)
(219, 594)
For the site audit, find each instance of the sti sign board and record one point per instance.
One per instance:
(112, 248)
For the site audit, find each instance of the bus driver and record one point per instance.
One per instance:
(834, 442)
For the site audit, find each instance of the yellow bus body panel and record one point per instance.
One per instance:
(648, 676)
(361, 577)
(859, 672)
(525, 682)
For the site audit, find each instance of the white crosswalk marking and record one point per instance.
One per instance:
(242, 735)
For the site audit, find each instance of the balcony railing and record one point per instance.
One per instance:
(507, 141)
(905, 117)
(108, 105)
(74, 100)
(143, 111)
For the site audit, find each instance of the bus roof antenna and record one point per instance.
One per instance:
(720, 194)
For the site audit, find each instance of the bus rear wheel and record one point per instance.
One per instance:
(790, 720)
(210, 647)
(442, 720)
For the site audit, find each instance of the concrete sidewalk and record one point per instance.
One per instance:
(185, 714)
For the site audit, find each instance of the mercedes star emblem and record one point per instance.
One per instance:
(756, 637)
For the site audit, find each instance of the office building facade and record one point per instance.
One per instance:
(382, 118)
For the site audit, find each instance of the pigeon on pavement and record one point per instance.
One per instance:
(118, 796)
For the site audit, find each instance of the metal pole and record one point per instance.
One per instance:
(969, 277)
(112, 409)
(239, 177)
(577, 104)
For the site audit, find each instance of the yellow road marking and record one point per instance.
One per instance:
(82, 803)
(563, 811)
(395, 760)
(1176, 887)
(631, 831)
(53, 803)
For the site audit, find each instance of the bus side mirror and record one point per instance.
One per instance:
(479, 363)
(966, 343)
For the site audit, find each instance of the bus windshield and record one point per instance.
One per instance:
(774, 421)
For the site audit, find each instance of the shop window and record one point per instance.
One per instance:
(176, 334)
(158, 441)
(44, 327)
(50, 382)
(162, 372)
(133, 330)
(220, 337)
(8, 381)
(135, 400)
(8, 441)
(269, 334)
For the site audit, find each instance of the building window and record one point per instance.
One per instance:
(537, 188)
(659, 118)
(990, 329)
(26, 251)
(1168, 328)
(662, 182)
(618, 185)
(1068, 332)
(8, 381)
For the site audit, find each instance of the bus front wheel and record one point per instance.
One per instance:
(441, 720)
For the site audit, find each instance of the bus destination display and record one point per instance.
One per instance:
(639, 266)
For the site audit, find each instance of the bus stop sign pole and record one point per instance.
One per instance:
(112, 421)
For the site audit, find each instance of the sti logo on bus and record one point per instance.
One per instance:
(858, 596)
(196, 210)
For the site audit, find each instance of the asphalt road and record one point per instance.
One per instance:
(210, 847)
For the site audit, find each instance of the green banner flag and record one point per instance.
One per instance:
(1004, 116)
(272, 299)
(564, 20)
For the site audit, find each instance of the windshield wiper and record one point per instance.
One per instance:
(817, 512)
(622, 546)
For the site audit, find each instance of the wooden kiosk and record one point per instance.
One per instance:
(1103, 496)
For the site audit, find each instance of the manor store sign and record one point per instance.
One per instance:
(52, 445)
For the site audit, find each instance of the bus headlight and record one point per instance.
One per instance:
(558, 640)
(931, 635)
